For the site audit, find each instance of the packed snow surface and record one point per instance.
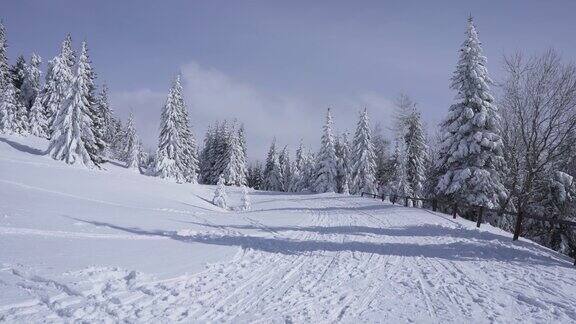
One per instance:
(109, 245)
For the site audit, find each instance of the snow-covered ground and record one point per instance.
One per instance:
(106, 245)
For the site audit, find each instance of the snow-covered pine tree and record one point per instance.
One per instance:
(220, 153)
(96, 144)
(132, 149)
(4, 67)
(31, 85)
(232, 156)
(327, 163)
(229, 155)
(400, 185)
(8, 108)
(207, 156)
(307, 172)
(13, 115)
(17, 75)
(116, 148)
(416, 153)
(383, 160)
(168, 156)
(471, 152)
(72, 128)
(109, 125)
(37, 119)
(220, 198)
(343, 155)
(189, 149)
(255, 178)
(242, 157)
(246, 205)
(285, 169)
(297, 168)
(192, 167)
(59, 78)
(143, 156)
(20, 123)
(8, 104)
(272, 172)
(363, 158)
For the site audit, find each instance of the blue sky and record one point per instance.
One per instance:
(277, 65)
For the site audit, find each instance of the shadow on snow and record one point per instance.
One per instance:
(480, 249)
(22, 147)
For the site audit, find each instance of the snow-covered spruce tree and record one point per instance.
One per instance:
(8, 108)
(37, 119)
(20, 124)
(272, 171)
(17, 75)
(220, 198)
(13, 115)
(400, 185)
(95, 144)
(255, 177)
(4, 67)
(59, 78)
(241, 165)
(363, 158)
(471, 151)
(343, 155)
(246, 205)
(207, 156)
(189, 150)
(327, 163)
(307, 172)
(170, 146)
(297, 169)
(229, 156)
(31, 85)
(218, 152)
(383, 160)
(285, 169)
(416, 153)
(132, 149)
(143, 156)
(72, 128)
(118, 143)
(108, 122)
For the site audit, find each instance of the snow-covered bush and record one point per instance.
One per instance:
(246, 205)
(220, 198)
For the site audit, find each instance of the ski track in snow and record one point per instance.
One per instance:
(311, 272)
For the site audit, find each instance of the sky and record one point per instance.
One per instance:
(276, 66)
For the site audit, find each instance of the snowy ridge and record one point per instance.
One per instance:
(148, 250)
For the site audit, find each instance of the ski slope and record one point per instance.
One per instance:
(110, 245)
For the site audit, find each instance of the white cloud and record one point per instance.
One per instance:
(212, 95)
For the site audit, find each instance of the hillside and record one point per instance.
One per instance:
(102, 245)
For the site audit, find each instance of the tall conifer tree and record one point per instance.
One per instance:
(471, 152)
(363, 158)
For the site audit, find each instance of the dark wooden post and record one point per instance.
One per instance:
(454, 210)
(405, 201)
(434, 206)
(518, 228)
(479, 220)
